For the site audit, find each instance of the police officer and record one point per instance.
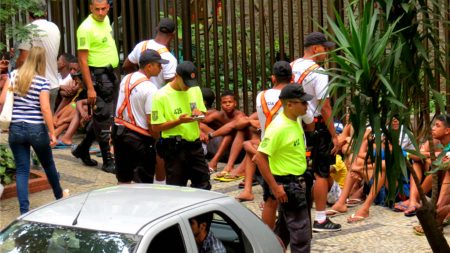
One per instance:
(281, 158)
(176, 108)
(97, 55)
(132, 136)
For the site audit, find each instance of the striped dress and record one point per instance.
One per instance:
(28, 108)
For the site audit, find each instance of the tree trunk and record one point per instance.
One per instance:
(427, 218)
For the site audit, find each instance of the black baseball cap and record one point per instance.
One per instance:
(166, 25)
(150, 55)
(317, 38)
(188, 72)
(292, 91)
(282, 69)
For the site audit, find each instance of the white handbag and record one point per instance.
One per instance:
(6, 114)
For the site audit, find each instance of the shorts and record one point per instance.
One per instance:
(321, 152)
(134, 155)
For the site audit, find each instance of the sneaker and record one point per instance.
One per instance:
(326, 226)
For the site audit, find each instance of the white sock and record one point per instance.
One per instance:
(321, 216)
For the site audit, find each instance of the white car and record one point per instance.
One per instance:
(137, 218)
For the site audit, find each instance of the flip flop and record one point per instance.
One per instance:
(411, 211)
(418, 230)
(355, 218)
(353, 202)
(400, 207)
(230, 178)
(332, 212)
(62, 145)
(220, 175)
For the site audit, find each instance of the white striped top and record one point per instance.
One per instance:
(28, 108)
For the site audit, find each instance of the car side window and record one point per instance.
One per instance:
(227, 236)
(168, 240)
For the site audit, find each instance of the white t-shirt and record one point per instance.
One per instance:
(64, 81)
(315, 84)
(49, 37)
(272, 96)
(168, 70)
(140, 99)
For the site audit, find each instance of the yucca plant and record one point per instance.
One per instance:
(381, 64)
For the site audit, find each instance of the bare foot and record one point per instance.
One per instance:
(339, 208)
(244, 196)
(212, 165)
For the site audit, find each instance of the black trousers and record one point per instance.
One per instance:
(134, 154)
(184, 160)
(102, 117)
(322, 145)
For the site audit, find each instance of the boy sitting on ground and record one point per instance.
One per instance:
(214, 120)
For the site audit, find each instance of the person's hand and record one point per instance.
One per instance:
(280, 194)
(337, 145)
(85, 116)
(204, 137)
(53, 140)
(92, 96)
(185, 118)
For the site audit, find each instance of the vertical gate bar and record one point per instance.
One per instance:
(310, 16)
(68, 32)
(206, 42)
(158, 11)
(177, 39)
(300, 27)
(253, 52)
(165, 9)
(447, 43)
(226, 68)
(186, 26)
(320, 12)
(132, 26)
(197, 43)
(83, 10)
(271, 34)
(234, 52)
(291, 30)
(140, 21)
(148, 17)
(216, 50)
(124, 27)
(244, 57)
(262, 45)
(280, 29)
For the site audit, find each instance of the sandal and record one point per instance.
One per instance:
(400, 207)
(230, 178)
(411, 211)
(418, 230)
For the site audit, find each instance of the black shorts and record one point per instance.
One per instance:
(184, 161)
(134, 154)
(322, 145)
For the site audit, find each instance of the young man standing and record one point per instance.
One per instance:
(97, 55)
(176, 110)
(325, 143)
(165, 34)
(132, 136)
(48, 37)
(281, 159)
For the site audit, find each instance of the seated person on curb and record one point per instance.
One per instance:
(204, 237)
(214, 120)
(441, 132)
(281, 159)
(248, 131)
(67, 65)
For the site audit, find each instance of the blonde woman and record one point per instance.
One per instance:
(32, 124)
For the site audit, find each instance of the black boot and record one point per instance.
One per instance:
(108, 160)
(84, 156)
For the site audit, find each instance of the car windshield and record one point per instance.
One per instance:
(23, 236)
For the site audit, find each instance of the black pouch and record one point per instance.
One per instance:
(296, 194)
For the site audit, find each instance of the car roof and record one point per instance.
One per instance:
(122, 208)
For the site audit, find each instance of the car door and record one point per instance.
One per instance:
(167, 234)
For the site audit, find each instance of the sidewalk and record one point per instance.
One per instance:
(384, 231)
